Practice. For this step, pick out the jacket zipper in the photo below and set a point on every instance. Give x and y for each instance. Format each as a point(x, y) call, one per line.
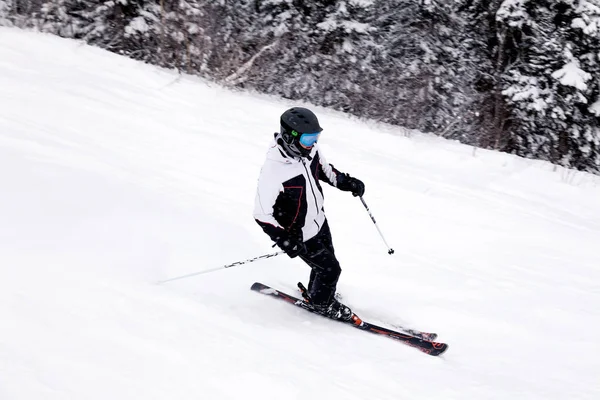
point(313, 192)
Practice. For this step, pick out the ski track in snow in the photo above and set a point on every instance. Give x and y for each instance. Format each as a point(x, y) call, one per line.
point(115, 175)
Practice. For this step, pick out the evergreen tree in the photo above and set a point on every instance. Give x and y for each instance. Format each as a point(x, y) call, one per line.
point(315, 50)
point(427, 64)
point(6, 9)
point(105, 23)
point(486, 51)
point(231, 38)
point(57, 17)
point(517, 75)
point(584, 34)
point(549, 86)
point(192, 35)
point(344, 72)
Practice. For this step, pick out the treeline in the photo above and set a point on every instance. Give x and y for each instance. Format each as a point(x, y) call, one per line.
point(520, 76)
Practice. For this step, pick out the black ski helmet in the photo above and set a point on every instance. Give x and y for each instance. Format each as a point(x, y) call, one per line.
point(295, 122)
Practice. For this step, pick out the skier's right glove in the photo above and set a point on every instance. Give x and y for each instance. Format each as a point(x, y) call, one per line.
point(292, 247)
point(349, 184)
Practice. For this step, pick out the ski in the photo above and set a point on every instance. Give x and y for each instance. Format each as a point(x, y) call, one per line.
point(429, 336)
point(426, 346)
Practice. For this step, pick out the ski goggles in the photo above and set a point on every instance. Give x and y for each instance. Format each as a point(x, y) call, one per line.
point(309, 139)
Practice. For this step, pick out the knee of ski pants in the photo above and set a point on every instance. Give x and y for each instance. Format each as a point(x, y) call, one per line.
point(324, 263)
point(329, 271)
point(336, 271)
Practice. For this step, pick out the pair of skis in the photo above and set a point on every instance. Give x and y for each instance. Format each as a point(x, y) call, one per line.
point(423, 341)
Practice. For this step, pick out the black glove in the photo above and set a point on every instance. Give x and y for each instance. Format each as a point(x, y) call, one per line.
point(349, 184)
point(292, 247)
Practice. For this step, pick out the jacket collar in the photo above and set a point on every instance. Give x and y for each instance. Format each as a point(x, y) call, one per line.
point(276, 153)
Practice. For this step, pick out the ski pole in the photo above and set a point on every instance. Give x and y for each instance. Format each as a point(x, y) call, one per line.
point(390, 250)
point(206, 271)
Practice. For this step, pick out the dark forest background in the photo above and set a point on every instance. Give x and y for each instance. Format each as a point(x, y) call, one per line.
point(519, 76)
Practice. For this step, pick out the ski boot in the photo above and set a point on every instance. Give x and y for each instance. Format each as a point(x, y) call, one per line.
point(334, 310)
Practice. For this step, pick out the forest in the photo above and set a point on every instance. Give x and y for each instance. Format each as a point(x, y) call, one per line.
point(518, 76)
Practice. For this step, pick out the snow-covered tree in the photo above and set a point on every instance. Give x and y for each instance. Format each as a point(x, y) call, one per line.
point(56, 17)
point(18, 12)
point(516, 75)
point(552, 84)
point(192, 35)
point(102, 23)
point(426, 64)
point(584, 34)
point(228, 51)
point(6, 8)
point(316, 50)
point(344, 71)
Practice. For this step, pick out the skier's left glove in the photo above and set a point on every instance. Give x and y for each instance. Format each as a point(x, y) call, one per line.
point(349, 184)
point(292, 247)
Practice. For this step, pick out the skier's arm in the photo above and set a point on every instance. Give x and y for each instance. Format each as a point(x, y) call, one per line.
point(266, 195)
point(327, 172)
point(340, 180)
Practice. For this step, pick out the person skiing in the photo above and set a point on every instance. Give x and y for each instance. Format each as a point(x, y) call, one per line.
point(289, 205)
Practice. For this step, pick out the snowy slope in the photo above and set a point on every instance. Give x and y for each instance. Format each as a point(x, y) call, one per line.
point(115, 175)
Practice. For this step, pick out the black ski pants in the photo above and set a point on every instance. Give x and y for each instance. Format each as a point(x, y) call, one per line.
point(320, 256)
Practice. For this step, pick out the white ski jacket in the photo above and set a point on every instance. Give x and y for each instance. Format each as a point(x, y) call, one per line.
point(292, 184)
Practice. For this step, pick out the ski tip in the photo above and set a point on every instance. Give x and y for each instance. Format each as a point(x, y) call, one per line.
point(264, 289)
point(257, 286)
point(438, 349)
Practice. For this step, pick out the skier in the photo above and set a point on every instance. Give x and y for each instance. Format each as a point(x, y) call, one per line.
point(289, 205)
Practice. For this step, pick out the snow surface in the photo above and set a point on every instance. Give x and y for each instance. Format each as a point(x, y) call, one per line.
point(115, 175)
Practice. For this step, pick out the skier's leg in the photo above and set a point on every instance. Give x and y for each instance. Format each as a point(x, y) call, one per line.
point(311, 279)
point(325, 268)
point(324, 275)
point(312, 245)
point(324, 239)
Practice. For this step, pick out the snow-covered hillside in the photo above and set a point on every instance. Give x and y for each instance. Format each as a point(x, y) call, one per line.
point(115, 175)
